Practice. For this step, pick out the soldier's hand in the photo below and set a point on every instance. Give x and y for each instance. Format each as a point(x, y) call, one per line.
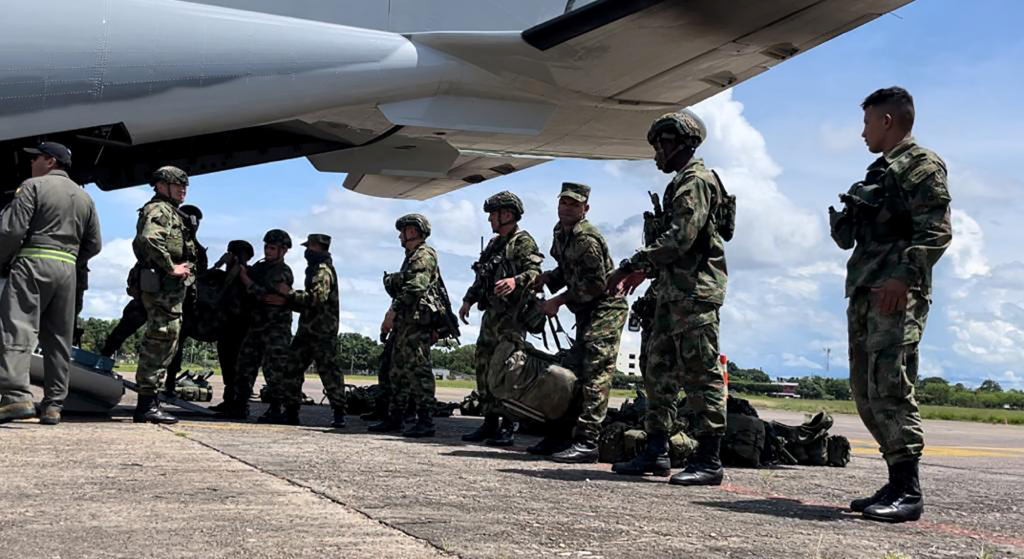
point(505, 287)
point(551, 306)
point(389, 322)
point(243, 274)
point(181, 270)
point(542, 280)
point(891, 296)
point(464, 312)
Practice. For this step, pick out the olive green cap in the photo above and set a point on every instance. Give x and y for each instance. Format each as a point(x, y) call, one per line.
point(318, 238)
point(576, 191)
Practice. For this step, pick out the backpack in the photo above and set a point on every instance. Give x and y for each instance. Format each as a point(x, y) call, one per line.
point(680, 448)
point(725, 211)
point(530, 384)
point(807, 442)
point(838, 450)
point(743, 441)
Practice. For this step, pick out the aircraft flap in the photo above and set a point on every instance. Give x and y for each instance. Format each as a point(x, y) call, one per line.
point(471, 114)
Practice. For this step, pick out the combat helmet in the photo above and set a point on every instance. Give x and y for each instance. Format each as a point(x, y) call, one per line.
point(170, 175)
point(683, 124)
point(278, 237)
point(504, 200)
point(416, 220)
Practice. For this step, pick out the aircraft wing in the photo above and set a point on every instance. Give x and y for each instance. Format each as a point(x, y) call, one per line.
point(469, 168)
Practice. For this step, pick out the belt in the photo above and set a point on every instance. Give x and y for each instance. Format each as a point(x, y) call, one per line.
point(48, 254)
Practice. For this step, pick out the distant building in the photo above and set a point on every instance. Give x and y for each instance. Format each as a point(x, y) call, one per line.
point(442, 374)
point(629, 358)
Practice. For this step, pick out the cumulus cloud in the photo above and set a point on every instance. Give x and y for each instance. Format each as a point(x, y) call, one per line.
point(801, 362)
point(967, 250)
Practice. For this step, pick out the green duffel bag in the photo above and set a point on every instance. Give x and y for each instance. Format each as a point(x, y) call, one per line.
point(680, 448)
point(839, 451)
point(611, 446)
point(743, 442)
point(530, 384)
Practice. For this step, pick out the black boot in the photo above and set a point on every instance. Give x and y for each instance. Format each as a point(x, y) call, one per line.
point(904, 503)
point(424, 426)
point(653, 460)
point(506, 435)
point(858, 505)
point(550, 445)
point(235, 409)
point(486, 430)
point(582, 451)
point(273, 415)
point(339, 420)
point(705, 467)
point(379, 413)
point(291, 414)
point(147, 410)
point(393, 423)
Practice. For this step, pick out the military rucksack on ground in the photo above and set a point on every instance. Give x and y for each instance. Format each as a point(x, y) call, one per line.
point(807, 442)
point(470, 406)
point(743, 442)
point(611, 446)
point(680, 448)
point(839, 451)
point(530, 384)
point(194, 387)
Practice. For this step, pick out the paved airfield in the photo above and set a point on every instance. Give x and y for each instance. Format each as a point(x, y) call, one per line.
point(108, 488)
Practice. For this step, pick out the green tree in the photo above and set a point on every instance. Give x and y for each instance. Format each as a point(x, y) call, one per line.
point(990, 386)
point(358, 353)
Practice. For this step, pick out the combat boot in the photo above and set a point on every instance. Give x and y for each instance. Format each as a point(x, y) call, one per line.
point(236, 410)
point(424, 427)
point(273, 415)
point(506, 435)
point(379, 413)
point(904, 503)
point(653, 460)
point(17, 410)
point(486, 430)
point(583, 451)
point(50, 416)
point(291, 414)
point(858, 505)
point(394, 422)
point(705, 467)
point(147, 410)
point(550, 445)
point(339, 420)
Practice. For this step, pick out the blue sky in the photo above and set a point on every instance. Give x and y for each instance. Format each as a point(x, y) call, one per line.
point(786, 142)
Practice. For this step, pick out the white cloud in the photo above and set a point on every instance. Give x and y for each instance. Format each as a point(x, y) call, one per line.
point(967, 250)
point(840, 138)
point(800, 362)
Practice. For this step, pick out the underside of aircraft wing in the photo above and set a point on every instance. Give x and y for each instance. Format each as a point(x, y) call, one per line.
point(469, 168)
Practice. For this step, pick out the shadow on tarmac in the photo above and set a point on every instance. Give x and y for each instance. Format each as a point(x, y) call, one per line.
point(782, 508)
point(584, 475)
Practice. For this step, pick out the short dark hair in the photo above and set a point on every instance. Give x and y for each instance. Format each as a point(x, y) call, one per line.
point(899, 102)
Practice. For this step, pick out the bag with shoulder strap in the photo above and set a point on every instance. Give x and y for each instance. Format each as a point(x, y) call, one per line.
point(725, 212)
point(529, 383)
point(743, 442)
point(839, 451)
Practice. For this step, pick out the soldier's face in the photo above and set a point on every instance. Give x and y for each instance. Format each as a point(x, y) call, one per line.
point(408, 233)
point(176, 192)
point(494, 218)
point(42, 165)
point(571, 211)
point(273, 253)
point(877, 124)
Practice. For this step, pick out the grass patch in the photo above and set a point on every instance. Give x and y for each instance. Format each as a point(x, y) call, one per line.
point(951, 413)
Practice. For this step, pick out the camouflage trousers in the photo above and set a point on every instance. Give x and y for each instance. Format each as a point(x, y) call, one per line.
point(494, 328)
point(684, 353)
point(305, 350)
point(265, 345)
point(412, 374)
point(883, 372)
point(160, 339)
point(598, 333)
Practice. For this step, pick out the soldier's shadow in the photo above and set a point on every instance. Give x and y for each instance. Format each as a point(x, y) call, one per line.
point(496, 455)
point(782, 508)
point(578, 475)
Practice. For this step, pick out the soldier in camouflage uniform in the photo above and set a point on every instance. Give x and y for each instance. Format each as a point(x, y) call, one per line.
point(416, 306)
point(316, 341)
point(897, 221)
point(48, 231)
point(688, 259)
point(584, 264)
point(505, 274)
point(270, 328)
point(234, 306)
point(166, 255)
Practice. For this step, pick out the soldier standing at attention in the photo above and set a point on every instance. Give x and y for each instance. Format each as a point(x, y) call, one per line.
point(165, 254)
point(415, 306)
point(584, 264)
point(505, 273)
point(270, 329)
point(49, 227)
point(317, 338)
point(897, 221)
point(688, 259)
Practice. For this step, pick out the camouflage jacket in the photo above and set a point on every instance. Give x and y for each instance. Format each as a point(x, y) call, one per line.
point(904, 226)
point(266, 276)
point(319, 303)
point(162, 238)
point(584, 263)
point(512, 256)
point(688, 257)
point(414, 289)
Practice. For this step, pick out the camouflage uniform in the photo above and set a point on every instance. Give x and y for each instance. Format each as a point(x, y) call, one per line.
point(270, 333)
point(50, 224)
point(515, 255)
point(317, 338)
point(901, 237)
point(688, 260)
point(584, 264)
point(162, 240)
point(415, 303)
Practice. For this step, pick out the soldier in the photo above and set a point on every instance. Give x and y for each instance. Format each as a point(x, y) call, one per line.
point(584, 264)
point(416, 306)
point(688, 259)
point(49, 227)
point(317, 338)
point(897, 220)
point(505, 274)
point(270, 328)
point(234, 306)
point(166, 255)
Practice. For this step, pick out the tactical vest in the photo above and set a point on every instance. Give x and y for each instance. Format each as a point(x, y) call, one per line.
point(881, 213)
point(496, 264)
point(322, 318)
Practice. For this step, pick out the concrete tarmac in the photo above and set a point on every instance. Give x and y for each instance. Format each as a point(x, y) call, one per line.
point(202, 488)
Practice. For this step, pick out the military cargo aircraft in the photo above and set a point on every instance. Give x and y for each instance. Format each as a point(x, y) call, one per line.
point(410, 98)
